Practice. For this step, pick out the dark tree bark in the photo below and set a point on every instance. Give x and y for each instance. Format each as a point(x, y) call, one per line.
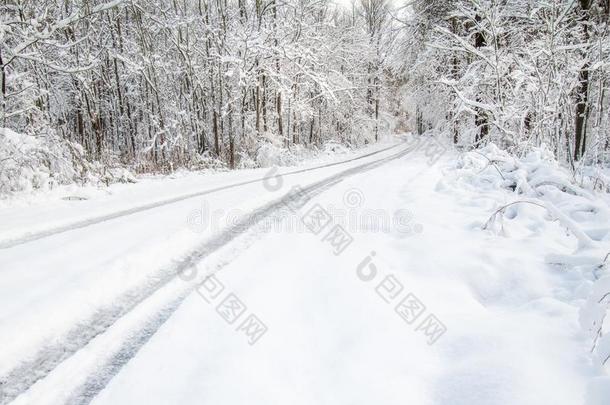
point(216, 140)
point(2, 88)
point(481, 120)
point(582, 91)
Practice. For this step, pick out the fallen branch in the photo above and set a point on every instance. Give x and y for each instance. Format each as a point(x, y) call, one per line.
point(583, 239)
point(490, 162)
point(503, 208)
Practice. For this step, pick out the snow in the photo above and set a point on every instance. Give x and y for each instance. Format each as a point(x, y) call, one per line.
point(58, 290)
point(519, 299)
point(331, 338)
point(61, 206)
point(32, 166)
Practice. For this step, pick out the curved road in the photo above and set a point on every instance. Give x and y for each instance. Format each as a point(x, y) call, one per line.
point(70, 284)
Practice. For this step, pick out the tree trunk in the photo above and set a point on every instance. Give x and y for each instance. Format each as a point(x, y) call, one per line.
point(481, 117)
point(582, 92)
point(3, 91)
point(216, 140)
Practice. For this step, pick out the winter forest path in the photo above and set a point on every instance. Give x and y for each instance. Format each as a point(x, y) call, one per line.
point(71, 300)
point(421, 307)
point(334, 335)
point(43, 233)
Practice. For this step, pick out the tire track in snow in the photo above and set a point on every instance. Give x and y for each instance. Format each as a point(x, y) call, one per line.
point(24, 376)
point(36, 235)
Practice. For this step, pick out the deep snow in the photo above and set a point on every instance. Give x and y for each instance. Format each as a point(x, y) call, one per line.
point(516, 294)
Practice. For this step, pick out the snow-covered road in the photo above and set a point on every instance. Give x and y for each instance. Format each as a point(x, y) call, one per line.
point(412, 303)
point(71, 269)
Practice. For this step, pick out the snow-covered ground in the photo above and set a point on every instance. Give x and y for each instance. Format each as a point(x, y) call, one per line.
point(389, 282)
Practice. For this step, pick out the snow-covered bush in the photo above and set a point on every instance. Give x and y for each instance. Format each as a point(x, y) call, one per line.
point(29, 163)
point(333, 148)
point(539, 189)
point(206, 161)
point(595, 312)
point(269, 154)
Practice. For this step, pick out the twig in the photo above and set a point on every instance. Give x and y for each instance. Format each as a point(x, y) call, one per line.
point(490, 162)
point(501, 209)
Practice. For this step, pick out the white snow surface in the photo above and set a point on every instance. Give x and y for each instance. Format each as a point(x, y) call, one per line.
point(521, 290)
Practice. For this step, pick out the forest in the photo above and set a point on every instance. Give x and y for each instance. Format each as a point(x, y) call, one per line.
point(305, 202)
point(89, 88)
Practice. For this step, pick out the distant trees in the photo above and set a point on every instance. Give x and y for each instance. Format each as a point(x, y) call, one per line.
point(376, 15)
point(156, 84)
point(515, 72)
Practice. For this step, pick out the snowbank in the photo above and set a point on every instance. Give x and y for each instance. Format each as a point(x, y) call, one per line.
point(538, 195)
